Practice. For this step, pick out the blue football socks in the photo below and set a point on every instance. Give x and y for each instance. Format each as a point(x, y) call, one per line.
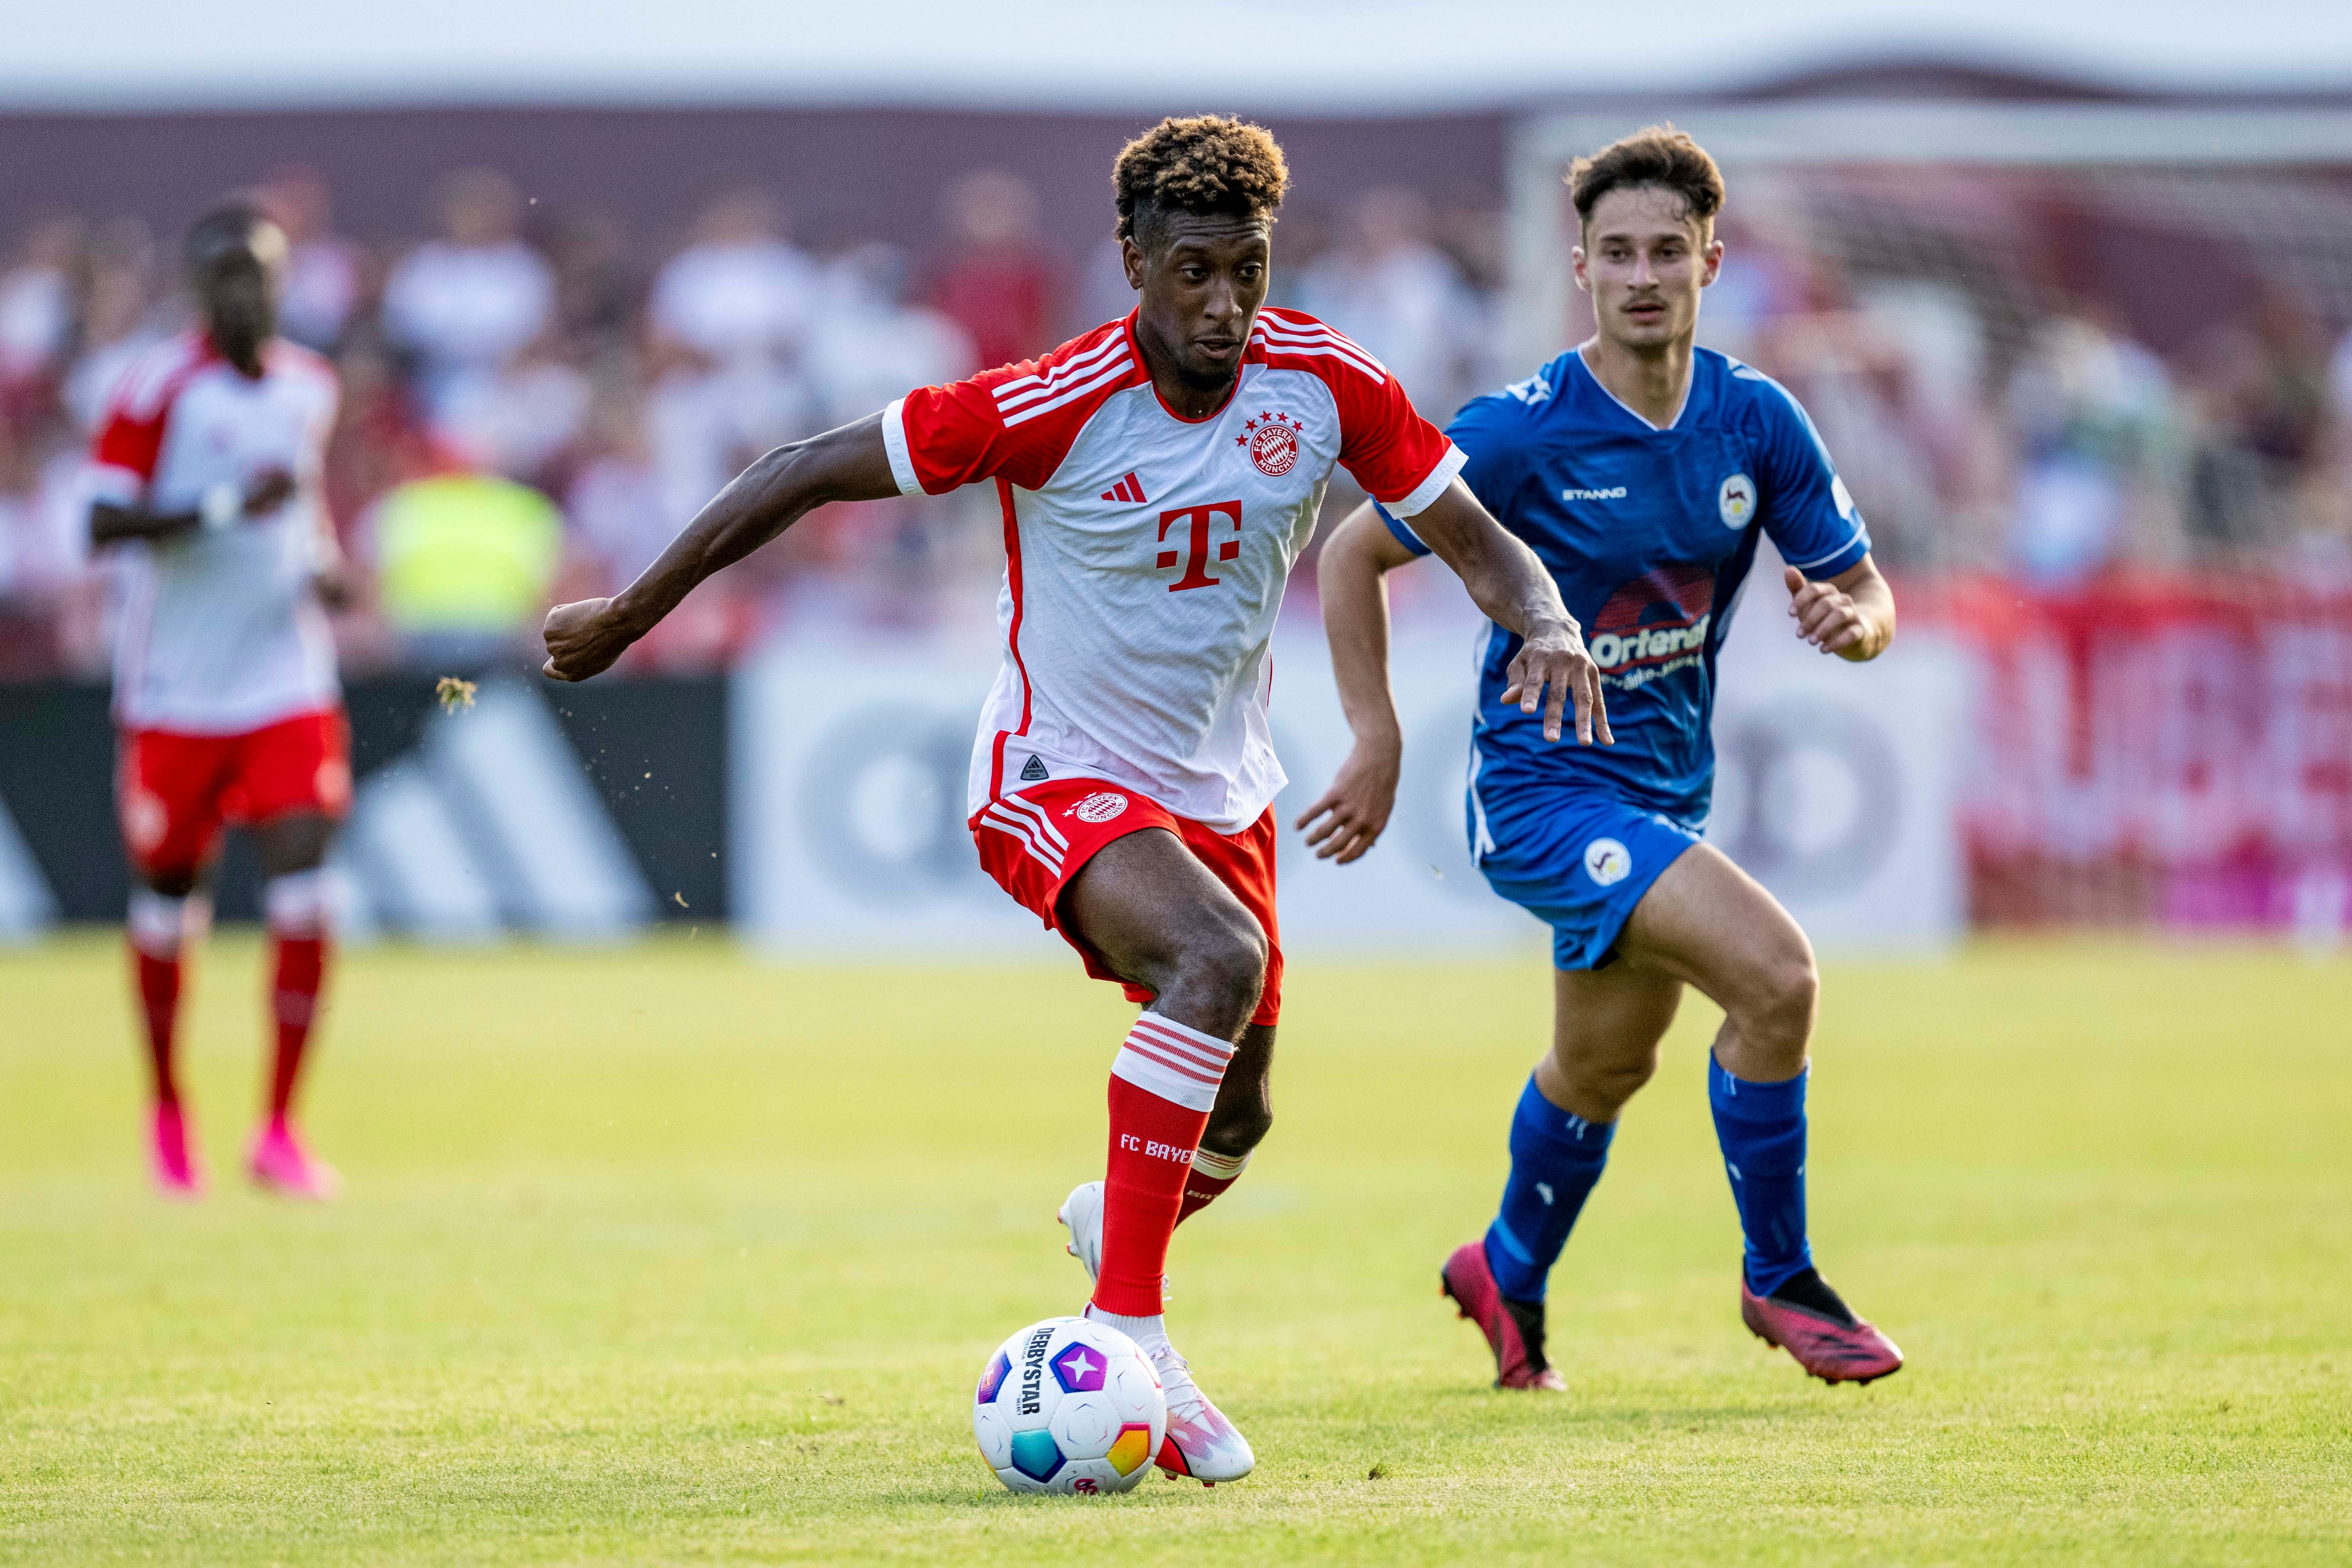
point(1762, 1127)
point(1555, 1156)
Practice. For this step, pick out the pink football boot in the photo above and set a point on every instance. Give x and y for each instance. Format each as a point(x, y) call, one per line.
point(1812, 1323)
point(1519, 1364)
point(280, 1164)
point(178, 1173)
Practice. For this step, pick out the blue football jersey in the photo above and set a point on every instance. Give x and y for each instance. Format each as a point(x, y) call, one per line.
point(1650, 534)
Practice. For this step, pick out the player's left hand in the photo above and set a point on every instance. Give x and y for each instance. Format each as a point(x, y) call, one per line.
point(1825, 614)
point(1355, 807)
point(1552, 669)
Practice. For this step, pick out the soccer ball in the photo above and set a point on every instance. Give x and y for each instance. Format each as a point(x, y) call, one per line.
point(1068, 1405)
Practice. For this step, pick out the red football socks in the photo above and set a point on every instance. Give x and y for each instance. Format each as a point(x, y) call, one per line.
point(1161, 1089)
point(156, 930)
point(1210, 1176)
point(159, 999)
point(294, 1002)
point(296, 904)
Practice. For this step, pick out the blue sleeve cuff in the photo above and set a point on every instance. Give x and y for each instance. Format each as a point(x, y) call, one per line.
point(1845, 558)
point(1404, 535)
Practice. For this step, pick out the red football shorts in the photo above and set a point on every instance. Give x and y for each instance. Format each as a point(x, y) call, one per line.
point(175, 791)
point(1034, 843)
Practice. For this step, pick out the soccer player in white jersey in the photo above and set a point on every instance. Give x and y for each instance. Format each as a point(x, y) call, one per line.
point(207, 478)
point(1159, 477)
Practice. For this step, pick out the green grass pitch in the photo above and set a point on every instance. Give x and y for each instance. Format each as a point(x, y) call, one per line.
point(668, 1254)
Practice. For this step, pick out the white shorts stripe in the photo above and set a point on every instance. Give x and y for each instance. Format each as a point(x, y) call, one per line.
point(1019, 828)
point(1036, 814)
point(1051, 863)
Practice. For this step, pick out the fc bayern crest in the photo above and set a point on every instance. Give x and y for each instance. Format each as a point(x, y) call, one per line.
point(1099, 807)
point(1273, 442)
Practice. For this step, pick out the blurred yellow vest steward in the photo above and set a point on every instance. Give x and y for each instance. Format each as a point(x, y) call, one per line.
point(465, 553)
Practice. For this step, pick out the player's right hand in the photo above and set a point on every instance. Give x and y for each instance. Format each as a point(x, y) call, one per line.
point(1357, 805)
point(583, 638)
point(1553, 668)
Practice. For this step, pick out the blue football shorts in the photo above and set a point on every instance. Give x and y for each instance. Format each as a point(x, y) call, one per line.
point(1577, 860)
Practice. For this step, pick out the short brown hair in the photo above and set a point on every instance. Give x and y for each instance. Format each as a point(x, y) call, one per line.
point(1205, 163)
point(1656, 155)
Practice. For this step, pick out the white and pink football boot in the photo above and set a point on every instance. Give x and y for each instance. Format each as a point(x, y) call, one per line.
point(279, 1163)
point(1202, 1444)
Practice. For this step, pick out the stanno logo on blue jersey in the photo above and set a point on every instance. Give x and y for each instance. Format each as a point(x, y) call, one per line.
point(1614, 492)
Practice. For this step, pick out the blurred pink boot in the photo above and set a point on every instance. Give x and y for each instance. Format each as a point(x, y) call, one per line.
point(280, 1164)
point(178, 1174)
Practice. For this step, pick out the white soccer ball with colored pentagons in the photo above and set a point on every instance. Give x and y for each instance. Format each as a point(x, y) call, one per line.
point(1069, 1405)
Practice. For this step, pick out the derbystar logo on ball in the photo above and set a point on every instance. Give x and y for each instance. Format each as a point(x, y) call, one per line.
point(1071, 1406)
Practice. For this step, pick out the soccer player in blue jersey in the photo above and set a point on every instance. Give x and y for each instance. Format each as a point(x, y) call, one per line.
point(1644, 471)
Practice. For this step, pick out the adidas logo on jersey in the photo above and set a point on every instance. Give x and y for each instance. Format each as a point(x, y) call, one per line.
point(1129, 489)
point(1033, 770)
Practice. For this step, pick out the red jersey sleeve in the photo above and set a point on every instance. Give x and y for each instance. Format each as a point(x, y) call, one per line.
point(130, 439)
point(1014, 423)
point(1400, 459)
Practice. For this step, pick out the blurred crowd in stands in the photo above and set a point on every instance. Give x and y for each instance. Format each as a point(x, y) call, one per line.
point(534, 401)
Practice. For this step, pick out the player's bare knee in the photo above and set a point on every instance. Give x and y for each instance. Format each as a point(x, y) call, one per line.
point(1223, 971)
point(1233, 1134)
point(1612, 1084)
point(1597, 1089)
point(1778, 1018)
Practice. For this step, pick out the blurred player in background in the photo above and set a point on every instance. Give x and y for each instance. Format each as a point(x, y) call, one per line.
point(1643, 472)
point(208, 466)
point(1159, 477)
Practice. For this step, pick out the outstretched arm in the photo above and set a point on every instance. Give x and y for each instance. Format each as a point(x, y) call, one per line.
point(764, 499)
point(110, 523)
point(1508, 582)
point(1850, 615)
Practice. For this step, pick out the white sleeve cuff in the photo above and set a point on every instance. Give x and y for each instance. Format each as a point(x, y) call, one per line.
point(894, 441)
point(1430, 489)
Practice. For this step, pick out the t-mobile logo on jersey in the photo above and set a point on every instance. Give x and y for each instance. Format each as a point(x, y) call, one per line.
point(1195, 556)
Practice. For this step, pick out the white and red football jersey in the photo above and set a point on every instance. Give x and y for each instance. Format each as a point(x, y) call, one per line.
point(1146, 554)
point(221, 632)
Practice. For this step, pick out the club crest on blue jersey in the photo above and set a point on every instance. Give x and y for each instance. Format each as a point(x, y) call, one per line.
point(1737, 500)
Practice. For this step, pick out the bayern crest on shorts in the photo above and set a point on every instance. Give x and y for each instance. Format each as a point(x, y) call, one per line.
point(1099, 807)
point(1273, 442)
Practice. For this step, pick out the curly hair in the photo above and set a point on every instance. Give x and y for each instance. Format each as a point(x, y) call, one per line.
point(1656, 155)
point(1205, 164)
